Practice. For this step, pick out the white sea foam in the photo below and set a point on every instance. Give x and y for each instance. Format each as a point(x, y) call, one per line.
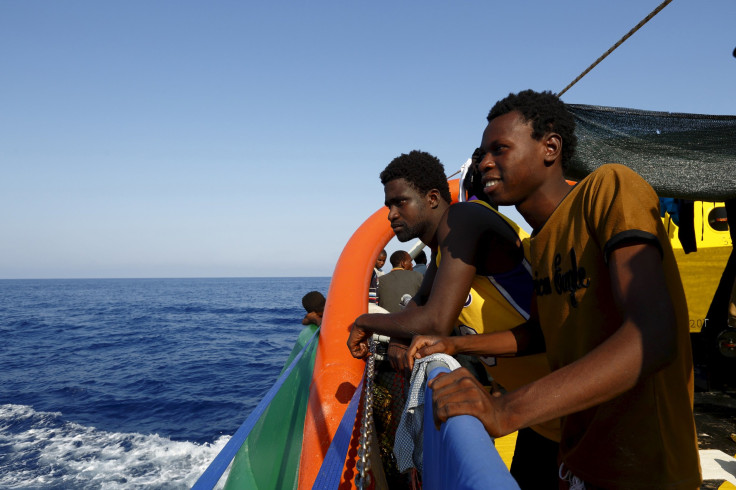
point(43, 450)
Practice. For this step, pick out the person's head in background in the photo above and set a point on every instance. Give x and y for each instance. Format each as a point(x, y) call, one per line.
point(314, 304)
point(381, 260)
point(401, 260)
point(421, 262)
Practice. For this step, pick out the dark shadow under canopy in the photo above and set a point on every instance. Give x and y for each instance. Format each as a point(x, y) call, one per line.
point(691, 156)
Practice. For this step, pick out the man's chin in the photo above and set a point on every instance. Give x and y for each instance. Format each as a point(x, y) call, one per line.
point(403, 236)
point(498, 199)
point(496, 202)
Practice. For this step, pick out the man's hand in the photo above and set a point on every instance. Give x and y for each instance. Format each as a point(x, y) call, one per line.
point(459, 393)
point(358, 341)
point(397, 356)
point(424, 345)
point(312, 318)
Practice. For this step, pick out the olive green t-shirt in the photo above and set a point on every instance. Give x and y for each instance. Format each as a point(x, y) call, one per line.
point(645, 437)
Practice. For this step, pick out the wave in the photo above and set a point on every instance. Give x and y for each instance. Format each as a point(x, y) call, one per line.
point(43, 450)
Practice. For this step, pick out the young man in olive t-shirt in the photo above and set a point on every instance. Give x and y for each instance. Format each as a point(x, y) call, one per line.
point(611, 312)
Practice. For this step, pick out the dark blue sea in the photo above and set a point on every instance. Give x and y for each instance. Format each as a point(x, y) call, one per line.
point(135, 383)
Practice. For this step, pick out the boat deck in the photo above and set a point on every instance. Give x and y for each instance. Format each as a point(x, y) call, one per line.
point(715, 420)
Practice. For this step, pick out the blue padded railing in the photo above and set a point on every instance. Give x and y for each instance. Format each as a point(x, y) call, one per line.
point(460, 455)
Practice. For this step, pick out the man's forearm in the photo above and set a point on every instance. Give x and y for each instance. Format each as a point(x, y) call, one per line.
point(523, 339)
point(403, 325)
point(498, 344)
point(604, 373)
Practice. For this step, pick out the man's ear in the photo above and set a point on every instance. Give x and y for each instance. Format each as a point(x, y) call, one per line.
point(433, 198)
point(552, 148)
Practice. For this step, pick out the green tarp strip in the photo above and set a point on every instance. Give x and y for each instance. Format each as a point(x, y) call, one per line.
point(269, 458)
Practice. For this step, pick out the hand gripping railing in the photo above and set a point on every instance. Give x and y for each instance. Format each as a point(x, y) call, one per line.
point(460, 455)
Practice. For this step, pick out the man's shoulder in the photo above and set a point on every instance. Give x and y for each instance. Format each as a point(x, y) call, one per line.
point(386, 280)
point(613, 182)
point(474, 207)
point(473, 218)
point(612, 200)
point(406, 272)
point(403, 272)
point(387, 275)
point(400, 276)
point(613, 172)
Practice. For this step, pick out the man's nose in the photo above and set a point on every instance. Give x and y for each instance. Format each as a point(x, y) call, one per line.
point(486, 163)
point(392, 213)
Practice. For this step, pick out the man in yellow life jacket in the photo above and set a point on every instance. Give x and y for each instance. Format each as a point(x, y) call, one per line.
point(478, 274)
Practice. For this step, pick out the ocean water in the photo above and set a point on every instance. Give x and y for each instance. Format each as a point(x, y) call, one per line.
point(135, 383)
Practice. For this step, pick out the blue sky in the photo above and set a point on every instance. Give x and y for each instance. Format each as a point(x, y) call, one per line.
point(231, 138)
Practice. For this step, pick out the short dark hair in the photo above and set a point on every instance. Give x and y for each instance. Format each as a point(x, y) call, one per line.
point(421, 257)
point(314, 301)
point(398, 257)
point(546, 112)
point(421, 170)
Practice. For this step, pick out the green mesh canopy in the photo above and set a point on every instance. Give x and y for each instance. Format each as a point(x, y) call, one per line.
point(690, 156)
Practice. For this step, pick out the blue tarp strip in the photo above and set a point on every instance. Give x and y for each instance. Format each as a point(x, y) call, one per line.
point(214, 471)
point(332, 467)
point(460, 455)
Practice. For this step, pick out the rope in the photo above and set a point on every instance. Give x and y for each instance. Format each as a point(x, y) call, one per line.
point(619, 43)
point(214, 471)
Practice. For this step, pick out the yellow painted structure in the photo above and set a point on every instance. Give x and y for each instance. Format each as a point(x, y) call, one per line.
point(701, 271)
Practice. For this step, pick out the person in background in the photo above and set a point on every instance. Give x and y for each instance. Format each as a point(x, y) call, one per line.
point(373, 287)
point(610, 309)
point(421, 262)
point(314, 304)
point(477, 280)
point(401, 282)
